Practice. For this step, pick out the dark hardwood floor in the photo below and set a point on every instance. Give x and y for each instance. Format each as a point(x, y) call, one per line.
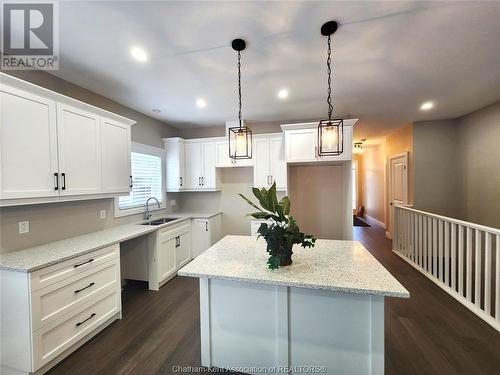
point(430, 333)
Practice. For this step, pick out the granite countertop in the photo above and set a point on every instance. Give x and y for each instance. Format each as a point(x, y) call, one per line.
point(34, 258)
point(342, 266)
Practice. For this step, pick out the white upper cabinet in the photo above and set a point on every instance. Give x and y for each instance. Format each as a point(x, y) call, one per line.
point(201, 173)
point(115, 157)
point(56, 148)
point(78, 134)
point(224, 161)
point(301, 143)
point(269, 163)
point(194, 165)
point(28, 153)
point(174, 164)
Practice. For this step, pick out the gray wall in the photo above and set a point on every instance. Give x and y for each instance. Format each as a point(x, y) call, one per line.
point(479, 174)
point(457, 166)
point(436, 163)
point(54, 221)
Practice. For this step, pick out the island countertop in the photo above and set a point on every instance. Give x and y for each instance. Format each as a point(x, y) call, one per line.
point(342, 266)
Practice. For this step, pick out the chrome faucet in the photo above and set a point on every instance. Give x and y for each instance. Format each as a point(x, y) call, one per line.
point(147, 214)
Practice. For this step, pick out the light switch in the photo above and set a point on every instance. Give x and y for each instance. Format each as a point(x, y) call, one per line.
point(24, 227)
point(102, 214)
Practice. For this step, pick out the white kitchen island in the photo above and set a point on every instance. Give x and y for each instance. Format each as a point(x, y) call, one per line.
point(324, 313)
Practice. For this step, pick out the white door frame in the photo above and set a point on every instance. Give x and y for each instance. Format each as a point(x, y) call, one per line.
point(405, 191)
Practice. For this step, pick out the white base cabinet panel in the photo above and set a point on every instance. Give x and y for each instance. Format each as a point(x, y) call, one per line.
point(205, 233)
point(272, 326)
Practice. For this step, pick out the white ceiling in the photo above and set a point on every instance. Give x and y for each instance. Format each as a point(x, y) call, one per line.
point(389, 57)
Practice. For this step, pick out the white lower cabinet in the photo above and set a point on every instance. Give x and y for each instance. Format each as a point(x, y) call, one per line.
point(169, 251)
point(205, 233)
point(44, 314)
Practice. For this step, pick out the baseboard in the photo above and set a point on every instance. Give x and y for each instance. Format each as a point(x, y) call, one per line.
point(375, 221)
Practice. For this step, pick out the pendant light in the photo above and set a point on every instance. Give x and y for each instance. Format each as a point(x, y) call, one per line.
point(330, 131)
point(240, 137)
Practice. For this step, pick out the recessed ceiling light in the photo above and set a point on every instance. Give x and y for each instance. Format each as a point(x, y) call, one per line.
point(427, 106)
point(201, 103)
point(283, 94)
point(156, 110)
point(139, 54)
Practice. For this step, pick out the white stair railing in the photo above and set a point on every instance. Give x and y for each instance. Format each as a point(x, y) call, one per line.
point(461, 257)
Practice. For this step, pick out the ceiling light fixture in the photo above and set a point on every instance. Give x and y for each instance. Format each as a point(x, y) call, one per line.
point(426, 106)
point(156, 110)
point(201, 103)
point(240, 137)
point(139, 54)
point(330, 131)
point(283, 94)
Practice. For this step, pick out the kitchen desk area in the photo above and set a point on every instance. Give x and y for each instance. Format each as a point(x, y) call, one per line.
point(56, 296)
point(326, 309)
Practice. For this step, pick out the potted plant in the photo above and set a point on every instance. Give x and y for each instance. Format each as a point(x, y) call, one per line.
point(281, 232)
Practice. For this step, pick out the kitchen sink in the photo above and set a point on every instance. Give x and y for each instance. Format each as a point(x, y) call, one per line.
point(161, 221)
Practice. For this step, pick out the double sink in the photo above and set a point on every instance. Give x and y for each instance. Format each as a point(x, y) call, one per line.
point(161, 221)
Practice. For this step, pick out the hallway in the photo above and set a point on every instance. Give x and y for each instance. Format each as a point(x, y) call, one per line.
point(160, 330)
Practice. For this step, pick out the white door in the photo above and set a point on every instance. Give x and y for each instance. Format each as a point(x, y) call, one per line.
point(277, 162)
point(194, 164)
point(209, 176)
point(222, 154)
point(301, 145)
point(261, 170)
point(215, 229)
point(398, 182)
point(166, 257)
point(183, 249)
point(200, 236)
point(115, 151)
point(28, 145)
point(79, 146)
point(174, 164)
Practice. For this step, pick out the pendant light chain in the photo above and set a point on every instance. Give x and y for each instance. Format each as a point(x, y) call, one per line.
point(239, 86)
point(329, 67)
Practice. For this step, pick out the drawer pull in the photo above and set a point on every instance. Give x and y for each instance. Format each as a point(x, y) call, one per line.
point(83, 321)
point(81, 264)
point(88, 286)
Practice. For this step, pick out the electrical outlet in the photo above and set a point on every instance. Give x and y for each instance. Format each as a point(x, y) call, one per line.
point(102, 214)
point(24, 227)
point(172, 202)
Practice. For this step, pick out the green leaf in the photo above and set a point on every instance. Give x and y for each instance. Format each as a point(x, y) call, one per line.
point(261, 215)
point(271, 197)
point(261, 195)
point(285, 203)
point(250, 202)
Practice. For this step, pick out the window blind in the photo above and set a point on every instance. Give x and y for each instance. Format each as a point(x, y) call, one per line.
point(146, 181)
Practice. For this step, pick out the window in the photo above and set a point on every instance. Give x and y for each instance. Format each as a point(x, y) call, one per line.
point(147, 180)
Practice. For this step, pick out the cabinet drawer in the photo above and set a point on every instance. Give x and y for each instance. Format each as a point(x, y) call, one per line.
point(74, 266)
point(53, 339)
point(56, 300)
point(177, 230)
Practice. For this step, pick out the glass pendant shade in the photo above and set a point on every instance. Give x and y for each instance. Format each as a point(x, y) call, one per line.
point(330, 137)
point(240, 143)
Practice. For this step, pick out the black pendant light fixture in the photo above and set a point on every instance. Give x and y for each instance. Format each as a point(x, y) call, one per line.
point(240, 137)
point(330, 131)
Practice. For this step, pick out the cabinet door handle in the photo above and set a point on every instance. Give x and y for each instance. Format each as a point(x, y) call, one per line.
point(56, 181)
point(63, 176)
point(180, 180)
point(131, 182)
point(203, 181)
point(88, 286)
point(83, 321)
point(206, 226)
point(199, 181)
point(81, 264)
